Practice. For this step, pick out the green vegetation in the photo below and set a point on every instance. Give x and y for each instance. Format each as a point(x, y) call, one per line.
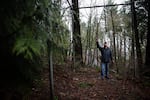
point(24, 30)
point(85, 85)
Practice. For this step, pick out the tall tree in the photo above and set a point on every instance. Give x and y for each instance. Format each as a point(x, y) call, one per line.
point(136, 34)
point(114, 39)
point(76, 32)
point(147, 58)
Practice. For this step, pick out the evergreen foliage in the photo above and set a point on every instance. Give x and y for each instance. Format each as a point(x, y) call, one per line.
point(25, 26)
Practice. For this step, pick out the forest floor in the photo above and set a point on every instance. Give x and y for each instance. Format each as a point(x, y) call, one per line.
point(85, 84)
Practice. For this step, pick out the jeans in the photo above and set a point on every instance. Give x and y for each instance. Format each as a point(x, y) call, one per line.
point(104, 69)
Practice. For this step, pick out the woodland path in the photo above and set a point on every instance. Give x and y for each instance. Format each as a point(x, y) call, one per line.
point(84, 84)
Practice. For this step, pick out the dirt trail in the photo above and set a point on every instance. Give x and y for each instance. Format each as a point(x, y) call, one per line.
point(84, 84)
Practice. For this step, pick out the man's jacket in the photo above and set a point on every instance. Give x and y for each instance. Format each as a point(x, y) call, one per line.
point(106, 54)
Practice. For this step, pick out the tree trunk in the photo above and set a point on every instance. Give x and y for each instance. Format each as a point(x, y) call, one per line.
point(133, 55)
point(50, 63)
point(124, 48)
point(96, 36)
point(88, 38)
point(136, 34)
point(120, 51)
point(76, 33)
point(114, 40)
point(147, 59)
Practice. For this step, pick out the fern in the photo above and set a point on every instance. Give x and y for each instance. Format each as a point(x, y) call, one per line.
point(28, 47)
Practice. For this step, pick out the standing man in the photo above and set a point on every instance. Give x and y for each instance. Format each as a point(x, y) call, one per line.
point(106, 57)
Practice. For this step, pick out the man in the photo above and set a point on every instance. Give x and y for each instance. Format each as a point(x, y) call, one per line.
point(106, 57)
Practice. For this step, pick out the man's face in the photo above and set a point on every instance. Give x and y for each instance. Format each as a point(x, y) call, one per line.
point(105, 44)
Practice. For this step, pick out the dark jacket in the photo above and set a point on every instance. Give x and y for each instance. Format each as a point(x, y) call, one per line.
point(106, 54)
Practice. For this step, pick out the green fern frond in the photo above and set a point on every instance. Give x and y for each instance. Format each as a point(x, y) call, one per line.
point(35, 46)
point(22, 50)
point(28, 47)
point(29, 55)
point(19, 44)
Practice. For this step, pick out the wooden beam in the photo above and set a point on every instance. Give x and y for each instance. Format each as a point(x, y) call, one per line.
point(127, 4)
point(105, 6)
